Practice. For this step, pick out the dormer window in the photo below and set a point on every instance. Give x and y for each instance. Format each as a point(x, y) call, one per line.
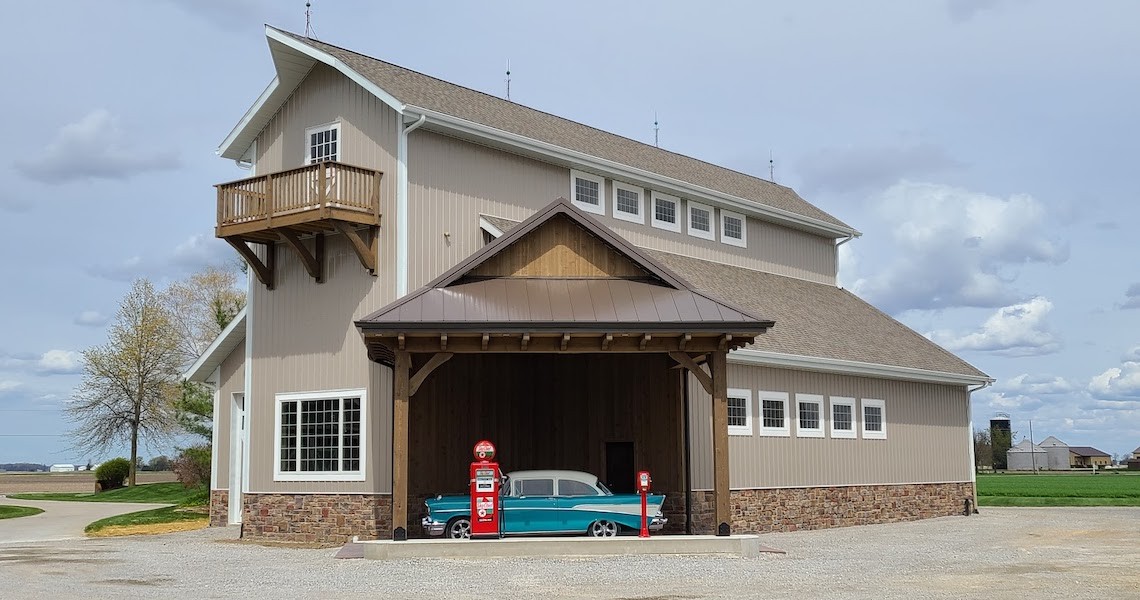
point(586, 192)
point(732, 229)
point(701, 220)
point(323, 143)
point(628, 203)
point(665, 209)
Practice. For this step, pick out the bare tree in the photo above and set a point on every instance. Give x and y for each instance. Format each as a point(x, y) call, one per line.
point(201, 306)
point(131, 382)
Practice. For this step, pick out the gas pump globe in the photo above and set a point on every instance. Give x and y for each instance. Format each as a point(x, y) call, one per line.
point(486, 509)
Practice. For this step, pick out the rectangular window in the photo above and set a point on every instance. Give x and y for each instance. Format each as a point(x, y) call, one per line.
point(874, 419)
point(739, 412)
point(627, 203)
point(665, 212)
point(700, 220)
point(842, 417)
point(732, 230)
point(586, 189)
point(774, 414)
point(809, 415)
point(320, 436)
point(323, 143)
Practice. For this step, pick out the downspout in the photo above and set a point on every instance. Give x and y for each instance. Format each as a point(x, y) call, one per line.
point(402, 205)
point(970, 420)
point(687, 458)
point(849, 238)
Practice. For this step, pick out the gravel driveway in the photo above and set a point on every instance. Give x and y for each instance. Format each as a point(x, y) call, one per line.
point(1002, 553)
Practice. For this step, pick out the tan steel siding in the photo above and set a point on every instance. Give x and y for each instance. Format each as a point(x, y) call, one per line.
point(927, 434)
point(231, 380)
point(452, 181)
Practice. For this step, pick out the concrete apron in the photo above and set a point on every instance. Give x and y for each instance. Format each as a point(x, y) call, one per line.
point(742, 546)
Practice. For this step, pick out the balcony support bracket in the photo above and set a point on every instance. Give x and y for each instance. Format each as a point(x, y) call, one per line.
point(263, 270)
point(314, 261)
point(366, 250)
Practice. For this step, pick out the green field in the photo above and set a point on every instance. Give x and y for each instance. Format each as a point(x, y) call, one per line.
point(11, 512)
point(156, 493)
point(1057, 489)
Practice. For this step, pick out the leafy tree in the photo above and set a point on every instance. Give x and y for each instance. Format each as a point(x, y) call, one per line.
point(1001, 441)
point(159, 463)
point(195, 410)
point(983, 449)
point(130, 383)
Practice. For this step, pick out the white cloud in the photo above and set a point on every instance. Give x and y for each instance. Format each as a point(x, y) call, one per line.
point(855, 169)
point(95, 147)
point(126, 270)
point(1018, 330)
point(963, 10)
point(1039, 384)
point(189, 256)
point(1120, 383)
point(58, 362)
point(91, 318)
point(7, 385)
point(954, 248)
point(199, 251)
point(1132, 296)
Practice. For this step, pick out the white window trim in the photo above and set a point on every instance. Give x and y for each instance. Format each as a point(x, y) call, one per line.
point(674, 227)
point(784, 431)
point(704, 235)
point(811, 432)
point(747, 395)
point(731, 241)
point(874, 435)
point(639, 218)
point(848, 434)
point(600, 209)
point(279, 475)
point(339, 140)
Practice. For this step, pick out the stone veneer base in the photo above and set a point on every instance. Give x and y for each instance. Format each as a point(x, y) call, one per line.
point(219, 508)
point(327, 519)
point(793, 509)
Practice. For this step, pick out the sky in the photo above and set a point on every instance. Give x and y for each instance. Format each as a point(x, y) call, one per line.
point(984, 148)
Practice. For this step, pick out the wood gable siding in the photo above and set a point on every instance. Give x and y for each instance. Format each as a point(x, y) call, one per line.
point(927, 434)
point(560, 248)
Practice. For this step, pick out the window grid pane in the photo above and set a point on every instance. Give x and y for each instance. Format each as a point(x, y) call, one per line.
point(323, 145)
point(774, 413)
point(666, 211)
point(809, 415)
point(732, 228)
point(288, 436)
point(841, 414)
point(320, 435)
point(872, 418)
point(586, 191)
point(350, 446)
point(737, 412)
point(699, 219)
point(628, 202)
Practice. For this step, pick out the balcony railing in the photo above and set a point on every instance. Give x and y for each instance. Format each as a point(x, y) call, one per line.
point(324, 191)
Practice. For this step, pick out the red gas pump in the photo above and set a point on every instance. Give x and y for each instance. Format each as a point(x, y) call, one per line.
point(484, 492)
point(643, 482)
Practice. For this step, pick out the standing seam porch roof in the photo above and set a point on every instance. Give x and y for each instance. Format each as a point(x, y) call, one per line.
point(417, 90)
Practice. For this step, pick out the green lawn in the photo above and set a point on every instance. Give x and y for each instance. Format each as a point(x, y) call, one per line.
point(170, 514)
point(1057, 489)
point(11, 512)
point(157, 493)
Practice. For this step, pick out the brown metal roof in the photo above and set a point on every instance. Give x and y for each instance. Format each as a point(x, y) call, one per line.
point(1087, 451)
point(666, 302)
point(423, 91)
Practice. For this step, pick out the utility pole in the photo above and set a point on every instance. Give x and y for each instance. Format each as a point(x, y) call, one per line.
point(1032, 452)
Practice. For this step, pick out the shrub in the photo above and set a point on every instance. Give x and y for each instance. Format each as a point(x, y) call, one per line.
point(113, 473)
point(193, 466)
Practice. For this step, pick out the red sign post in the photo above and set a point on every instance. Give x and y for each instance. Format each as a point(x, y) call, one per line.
point(485, 508)
point(643, 483)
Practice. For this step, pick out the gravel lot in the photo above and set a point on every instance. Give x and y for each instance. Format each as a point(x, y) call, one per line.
point(1002, 553)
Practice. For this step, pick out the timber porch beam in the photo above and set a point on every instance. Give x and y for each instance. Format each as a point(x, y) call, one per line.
point(400, 396)
point(687, 362)
point(365, 251)
point(313, 261)
point(529, 342)
point(719, 367)
point(263, 270)
point(432, 364)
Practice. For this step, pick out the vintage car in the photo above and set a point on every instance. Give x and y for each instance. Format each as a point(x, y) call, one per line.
point(549, 502)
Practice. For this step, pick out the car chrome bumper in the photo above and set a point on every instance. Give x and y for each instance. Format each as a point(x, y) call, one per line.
point(433, 527)
point(657, 523)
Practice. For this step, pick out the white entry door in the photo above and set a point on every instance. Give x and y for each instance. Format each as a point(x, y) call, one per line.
point(237, 455)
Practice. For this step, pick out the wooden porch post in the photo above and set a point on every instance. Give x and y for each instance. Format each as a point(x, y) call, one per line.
point(718, 363)
point(400, 446)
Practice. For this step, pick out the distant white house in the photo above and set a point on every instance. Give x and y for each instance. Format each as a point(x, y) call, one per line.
point(62, 468)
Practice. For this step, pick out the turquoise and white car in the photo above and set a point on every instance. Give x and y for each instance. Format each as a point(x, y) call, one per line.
point(549, 502)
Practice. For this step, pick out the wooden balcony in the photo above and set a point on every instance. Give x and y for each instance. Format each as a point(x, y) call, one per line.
point(296, 205)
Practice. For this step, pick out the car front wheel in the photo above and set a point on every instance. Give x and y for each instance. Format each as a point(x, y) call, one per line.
point(603, 529)
point(459, 528)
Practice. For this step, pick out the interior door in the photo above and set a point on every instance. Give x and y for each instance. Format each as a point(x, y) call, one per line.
point(619, 467)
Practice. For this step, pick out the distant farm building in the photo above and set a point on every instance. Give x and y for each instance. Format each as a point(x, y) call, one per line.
point(1054, 455)
point(62, 468)
point(1026, 457)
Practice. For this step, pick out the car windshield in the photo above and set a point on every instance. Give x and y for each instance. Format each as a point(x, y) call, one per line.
point(605, 490)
